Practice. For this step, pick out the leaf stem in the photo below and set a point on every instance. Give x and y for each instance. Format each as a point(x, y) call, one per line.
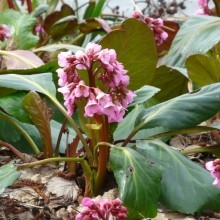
point(200, 150)
point(48, 160)
point(23, 132)
point(130, 136)
point(22, 59)
point(74, 126)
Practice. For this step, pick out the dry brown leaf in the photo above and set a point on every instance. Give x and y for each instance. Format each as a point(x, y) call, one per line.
point(63, 188)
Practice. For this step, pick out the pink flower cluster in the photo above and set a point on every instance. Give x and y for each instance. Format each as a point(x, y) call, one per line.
point(104, 65)
point(155, 25)
point(214, 168)
point(102, 210)
point(4, 32)
point(204, 8)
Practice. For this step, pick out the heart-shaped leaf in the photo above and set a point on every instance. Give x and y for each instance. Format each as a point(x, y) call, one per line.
point(8, 175)
point(186, 186)
point(188, 40)
point(138, 182)
point(136, 49)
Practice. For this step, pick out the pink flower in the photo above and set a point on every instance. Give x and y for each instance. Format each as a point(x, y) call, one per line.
point(102, 210)
point(202, 3)
point(155, 25)
point(62, 77)
point(92, 107)
point(204, 8)
point(81, 90)
point(107, 69)
point(214, 168)
point(62, 58)
point(4, 32)
point(92, 50)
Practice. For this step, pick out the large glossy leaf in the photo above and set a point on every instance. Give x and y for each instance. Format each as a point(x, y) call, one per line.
point(171, 82)
point(8, 175)
point(40, 115)
point(23, 25)
point(197, 35)
point(203, 70)
point(186, 186)
point(182, 112)
point(12, 105)
point(135, 47)
point(39, 82)
point(138, 182)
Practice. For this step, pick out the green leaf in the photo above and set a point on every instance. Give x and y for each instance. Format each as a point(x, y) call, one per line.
point(8, 175)
point(203, 70)
point(171, 82)
point(186, 186)
point(60, 23)
point(125, 127)
point(40, 9)
point(182, 112)
point(143, 94)
point(12, 105)
point(51, 66)
point(138, 181)
point(40, 115)
point(22, 26)
point(136, 49)
point(39, 82)
point(188, 40)
point(63, 26)
point(98, 8)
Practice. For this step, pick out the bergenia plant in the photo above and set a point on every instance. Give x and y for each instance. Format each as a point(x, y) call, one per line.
point(110, 107)
point(102, 101)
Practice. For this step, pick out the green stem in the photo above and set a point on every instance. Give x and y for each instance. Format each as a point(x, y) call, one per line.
point(48, 160)
point(14, 55)
point(200, 150)
point(78, 37)
point(95, 152)
point(76, 11)
point(23, 132)
point(75, 127)
point(130, 136)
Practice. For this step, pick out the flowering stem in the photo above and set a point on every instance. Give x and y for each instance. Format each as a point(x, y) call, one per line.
point(103, 154)
point(23, 132)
